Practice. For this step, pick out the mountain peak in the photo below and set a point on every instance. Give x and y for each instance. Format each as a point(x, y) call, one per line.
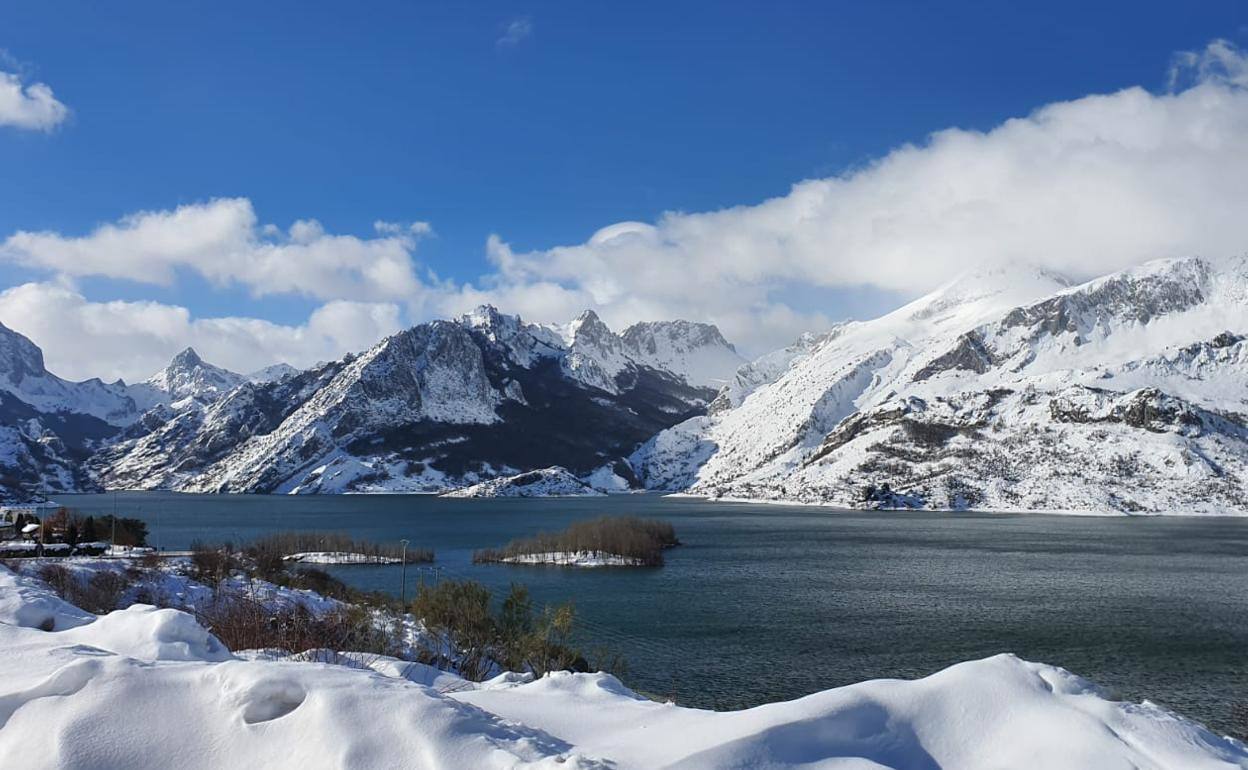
point(589, 326)
point(187, 359)
point(19, 357)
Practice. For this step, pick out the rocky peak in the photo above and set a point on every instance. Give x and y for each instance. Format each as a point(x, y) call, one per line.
point(647, 337)
point(187, 359)
point(488, 319)
point(589, 328)
point(186, 377)
point(19, 357)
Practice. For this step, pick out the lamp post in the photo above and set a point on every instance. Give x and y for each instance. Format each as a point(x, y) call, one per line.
point(403, 588)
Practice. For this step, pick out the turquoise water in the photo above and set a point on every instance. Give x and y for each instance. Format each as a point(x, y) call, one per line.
point(767, 602)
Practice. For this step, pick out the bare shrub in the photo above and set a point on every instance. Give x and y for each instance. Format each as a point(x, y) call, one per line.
point(97, 594)
point(211, 564)
point(289, 543)
point(242, 623)
point(320, 581)
point(59, 579)
point(640, 540)
point(102, 592)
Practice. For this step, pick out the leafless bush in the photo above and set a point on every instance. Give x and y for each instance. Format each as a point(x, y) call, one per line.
point(100, 593)
point(242, 623)
point(212, 564)
point(59, 579)
point(288, 543)
point(642, 540)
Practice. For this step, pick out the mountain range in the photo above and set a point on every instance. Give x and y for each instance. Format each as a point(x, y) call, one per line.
point(1005, 389)
point(441, 405)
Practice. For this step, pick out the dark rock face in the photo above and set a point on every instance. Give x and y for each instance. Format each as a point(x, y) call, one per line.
point(1147, 409)
point(1125, 297)
point(969, 354)
point(19, 357)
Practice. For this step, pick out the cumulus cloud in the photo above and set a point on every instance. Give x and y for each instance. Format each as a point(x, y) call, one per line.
point(223, 241)
point(32, 107)
point(516, 31)
point(133, 340)
point(1084, 187)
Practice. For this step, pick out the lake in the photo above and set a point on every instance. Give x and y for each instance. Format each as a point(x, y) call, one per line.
point(768, 602)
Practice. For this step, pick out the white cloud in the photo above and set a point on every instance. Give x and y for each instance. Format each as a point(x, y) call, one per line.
point(516, 31)
point(1220, 61)
point(31, 107)
point(1084, 187)
point(223, 241)
point(132, 340)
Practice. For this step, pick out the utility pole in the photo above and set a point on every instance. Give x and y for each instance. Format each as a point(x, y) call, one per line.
point(403, 589)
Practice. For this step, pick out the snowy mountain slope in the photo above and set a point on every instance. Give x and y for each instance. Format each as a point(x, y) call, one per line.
point(49, 426)
point(544, 482)
point(44, 453)
point(595, 355)
point(272, 372)
point(187, 382)
point(695, 351)
point(440, 405)
point(22, 373)
point(1002, 390)
point(164, 448)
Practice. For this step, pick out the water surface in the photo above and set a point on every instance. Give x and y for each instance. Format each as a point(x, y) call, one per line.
point(767, 602)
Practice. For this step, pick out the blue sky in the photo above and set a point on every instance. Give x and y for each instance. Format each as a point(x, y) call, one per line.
point(536, 122)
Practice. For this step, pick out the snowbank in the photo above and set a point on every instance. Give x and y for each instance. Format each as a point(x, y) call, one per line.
point(147, 688)
point(575, 559)
point(29, 603)
point(339, 557)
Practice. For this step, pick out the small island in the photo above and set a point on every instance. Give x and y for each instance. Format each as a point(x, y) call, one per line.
point(609, 541)
point(338, 548)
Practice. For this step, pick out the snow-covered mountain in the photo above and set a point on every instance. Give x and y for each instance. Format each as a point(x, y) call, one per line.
point(440, 405)
point(48, 425)
point(543, 482)
point(272, 372)
point(1005, 389)
point(22, 374)
point(695, 351)
point(188, 382)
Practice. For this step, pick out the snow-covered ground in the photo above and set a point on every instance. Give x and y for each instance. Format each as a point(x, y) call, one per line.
point(150, 688)
point(545, 482)
point(575, 559)
point(339, 557)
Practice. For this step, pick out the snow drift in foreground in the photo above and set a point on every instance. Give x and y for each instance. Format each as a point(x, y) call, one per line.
point(148, 688)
